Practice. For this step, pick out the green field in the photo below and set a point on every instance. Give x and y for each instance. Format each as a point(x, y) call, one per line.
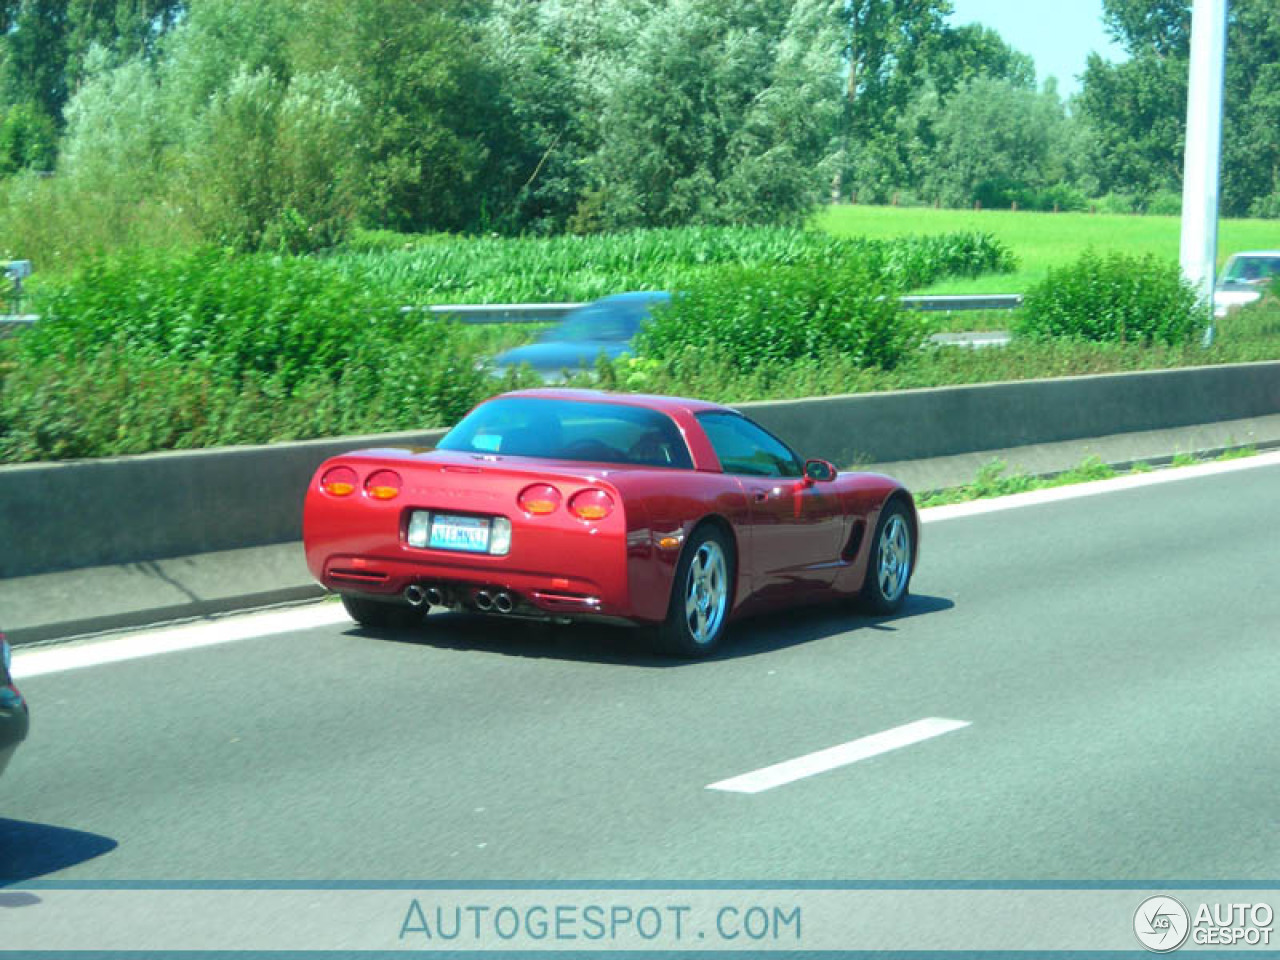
point(1040, 240)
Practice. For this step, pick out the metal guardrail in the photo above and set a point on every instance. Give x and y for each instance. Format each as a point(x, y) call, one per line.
point(501, 312)
point(479, 313)
point(549, 312)
point(977, 301)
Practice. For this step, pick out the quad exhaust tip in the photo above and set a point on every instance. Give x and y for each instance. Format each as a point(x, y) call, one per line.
point(419, 595)
point(503, 603)
point(483, 600)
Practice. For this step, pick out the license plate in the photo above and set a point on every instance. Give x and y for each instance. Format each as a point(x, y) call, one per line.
point(469, 534)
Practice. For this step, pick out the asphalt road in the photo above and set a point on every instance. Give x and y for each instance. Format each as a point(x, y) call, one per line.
point(1115, 656)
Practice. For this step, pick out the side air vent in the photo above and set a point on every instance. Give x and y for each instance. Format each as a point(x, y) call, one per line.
point(855, 540)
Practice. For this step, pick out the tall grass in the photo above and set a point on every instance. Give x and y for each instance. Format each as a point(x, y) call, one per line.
point(572, 268)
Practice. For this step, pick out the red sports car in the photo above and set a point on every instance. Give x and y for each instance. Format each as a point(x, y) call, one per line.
point(670, 514)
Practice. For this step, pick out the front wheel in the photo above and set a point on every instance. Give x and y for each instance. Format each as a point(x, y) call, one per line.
point(889, 567)
point(379, 614)
point(700, 596)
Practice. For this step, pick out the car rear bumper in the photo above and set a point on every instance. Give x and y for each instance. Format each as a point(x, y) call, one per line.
point(532, 592)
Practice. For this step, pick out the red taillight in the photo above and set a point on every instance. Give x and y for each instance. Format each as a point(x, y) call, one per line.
point(591, 505)
point(541, 498)
point(383, 485)
point(339, 482)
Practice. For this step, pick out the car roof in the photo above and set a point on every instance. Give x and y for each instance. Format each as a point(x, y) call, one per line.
point(1255, 253)
point(663, 404)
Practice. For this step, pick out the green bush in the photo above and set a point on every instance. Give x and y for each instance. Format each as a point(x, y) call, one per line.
point(144, 352)
point(1267, 207)
point(1118, 203)
point(251, 313)
point(752, 317)
point(1060, 196)
point(28, 139)
point(1114, 299)
point(156, 350)
point(1163, 203)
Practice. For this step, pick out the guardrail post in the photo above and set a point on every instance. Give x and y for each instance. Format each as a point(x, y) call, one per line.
point(17, 271)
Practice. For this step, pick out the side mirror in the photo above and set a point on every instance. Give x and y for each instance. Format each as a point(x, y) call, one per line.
point(820, 471)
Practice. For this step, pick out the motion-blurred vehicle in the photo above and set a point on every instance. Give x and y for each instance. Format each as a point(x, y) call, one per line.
point(664, 513)
point(14, 718)
point(1244, 279)
point(607, 326)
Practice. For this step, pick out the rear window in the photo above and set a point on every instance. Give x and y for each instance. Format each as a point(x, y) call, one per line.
point(570, 430)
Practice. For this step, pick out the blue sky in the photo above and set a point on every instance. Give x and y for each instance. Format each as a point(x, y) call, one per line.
point(1058, 34)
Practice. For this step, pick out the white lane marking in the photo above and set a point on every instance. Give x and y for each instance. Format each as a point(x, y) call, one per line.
point(766, 778)
point(1032, 498)
point(37, 661)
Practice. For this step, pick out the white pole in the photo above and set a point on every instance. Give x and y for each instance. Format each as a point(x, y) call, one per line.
point(1200, 173)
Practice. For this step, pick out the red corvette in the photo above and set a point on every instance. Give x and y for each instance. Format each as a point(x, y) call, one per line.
point(674, 515)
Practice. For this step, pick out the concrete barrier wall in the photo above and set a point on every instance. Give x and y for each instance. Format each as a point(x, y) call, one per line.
point(88, 513)
point(913, 424)
point(62, 516)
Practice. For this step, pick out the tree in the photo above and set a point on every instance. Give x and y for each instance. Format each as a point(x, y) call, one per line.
point(270, 166)
point(536, 49)
point(436, 120)
point(904, 62)
point(886, 46)
point(1137, 109)
point(998, 142)
point(34, 55)
point(44, 44)
point(27, 140)
point(1137, 112)
point(723, 113)
point(967, 52)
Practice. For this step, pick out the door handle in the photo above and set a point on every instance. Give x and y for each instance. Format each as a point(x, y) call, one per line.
point(760, 496)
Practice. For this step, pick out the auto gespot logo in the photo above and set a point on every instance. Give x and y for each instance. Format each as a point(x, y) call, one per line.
point(1162, 924)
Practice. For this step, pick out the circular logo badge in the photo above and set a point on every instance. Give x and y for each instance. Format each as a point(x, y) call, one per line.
point(1161, 924)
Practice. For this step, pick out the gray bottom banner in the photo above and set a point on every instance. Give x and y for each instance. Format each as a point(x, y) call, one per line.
point(679, 921)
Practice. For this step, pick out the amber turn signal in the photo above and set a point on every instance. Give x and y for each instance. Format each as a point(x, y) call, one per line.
point(383, 484)
point(539, 499)
point(339, 482)
point(591, 505)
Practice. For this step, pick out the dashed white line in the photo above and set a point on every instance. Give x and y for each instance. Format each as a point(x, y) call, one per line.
point(1032, 498)
point(766, 778)
point(37, 661)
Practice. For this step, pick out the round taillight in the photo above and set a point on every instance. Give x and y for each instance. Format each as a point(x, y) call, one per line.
point(383, 485)
point(539, 499)
point(591, 505)
point(339, 482)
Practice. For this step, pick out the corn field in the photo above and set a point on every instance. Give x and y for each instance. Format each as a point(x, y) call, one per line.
point(578, 268)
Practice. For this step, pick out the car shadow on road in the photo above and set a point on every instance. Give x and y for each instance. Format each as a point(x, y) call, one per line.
point(597, 643)
point(30, 850)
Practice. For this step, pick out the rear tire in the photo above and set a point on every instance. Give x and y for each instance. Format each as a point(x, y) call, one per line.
point(700, 596)
point(381, 615)
point(891, 563)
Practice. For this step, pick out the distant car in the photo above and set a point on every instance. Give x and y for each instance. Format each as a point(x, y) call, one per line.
point(1244, 279)
point(659, 512)
point(603, 326)
point(13, 710)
